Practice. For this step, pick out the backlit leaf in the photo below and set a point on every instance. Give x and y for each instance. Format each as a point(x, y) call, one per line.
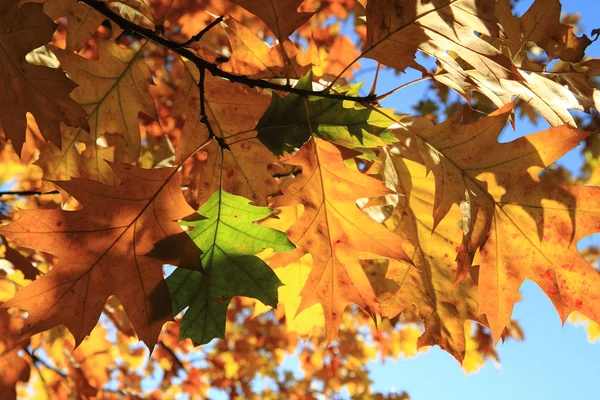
point(41, 91)
point(229, 241)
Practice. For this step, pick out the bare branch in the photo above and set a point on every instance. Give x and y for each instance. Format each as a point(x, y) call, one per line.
point(27, 193)
point(199, 35)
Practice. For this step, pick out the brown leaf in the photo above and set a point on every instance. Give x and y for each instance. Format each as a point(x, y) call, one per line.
point(281, 16)
point(102, 251)
point(113, 90)
point(233, 110)
point(41, 91)
point(78, 157)
point(254, 58)
point(540, 25)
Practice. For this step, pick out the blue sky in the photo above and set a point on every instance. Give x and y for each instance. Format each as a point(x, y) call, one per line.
point(554, 362)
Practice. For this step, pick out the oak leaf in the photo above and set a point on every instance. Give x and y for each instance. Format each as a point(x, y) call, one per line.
point(13, 368)
point(102, 251)
point(41, 91)
point(442, 307)
point(113, 90)
point(229, 242)
point(396, 29)
point(281, 16)
point(252, 57)
point(289, 122)
point(541, 24)
point(334, 231)
point(233, 110)
point(82, 21)
point(446, 30)
point(293, 277)
point(506, 206)
point(78, 157)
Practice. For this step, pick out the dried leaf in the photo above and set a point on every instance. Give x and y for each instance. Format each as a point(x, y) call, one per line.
point(41, 91)
point(102, 251)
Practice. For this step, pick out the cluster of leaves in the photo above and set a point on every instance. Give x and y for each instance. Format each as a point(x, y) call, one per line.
point(129, 115)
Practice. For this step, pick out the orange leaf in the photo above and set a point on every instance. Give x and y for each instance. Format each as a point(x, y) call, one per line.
point(233, 110)
point(102, 251)
point(335, 232)
point(281, 16)
point(13, 369)
point(441, 306)
point(42, 91)
point(524, 228)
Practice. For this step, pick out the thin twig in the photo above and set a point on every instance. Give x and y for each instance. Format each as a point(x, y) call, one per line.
point(214, 69)
point(28, 193)
point(199, 35)
point(204, 117)
point(405, 85)
point(172, 354)
point(38, 360)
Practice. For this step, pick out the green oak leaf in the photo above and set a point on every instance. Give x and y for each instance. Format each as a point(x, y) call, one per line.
point(286, 125)
point(229, 241)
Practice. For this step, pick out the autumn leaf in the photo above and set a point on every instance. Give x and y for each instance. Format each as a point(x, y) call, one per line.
point(13, 368)
point(78, 157)
point(506, 206)
point(541, 24)
point(294, 277)
point(442, 306)
point(397, 29)
point(289, 122)
point(82, 22)
point(113, 90)
point(252, 57)
point(41, 91)
point(136, 11)
point(102, 251)
point(229, 242)
point(335, 232)
point(234, 111)
point(281, 16)
point(446, 31)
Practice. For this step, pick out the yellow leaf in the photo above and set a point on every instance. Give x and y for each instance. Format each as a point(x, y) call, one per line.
point(113, 90)
point(524, 228)
point(441, 306)
point(335, 232)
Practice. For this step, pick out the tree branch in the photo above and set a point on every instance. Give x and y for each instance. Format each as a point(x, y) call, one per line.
point(40, 361)
point(27, 193)
point(214, 69)
point(199, 35)
point(172, 354)
point(204, 117)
